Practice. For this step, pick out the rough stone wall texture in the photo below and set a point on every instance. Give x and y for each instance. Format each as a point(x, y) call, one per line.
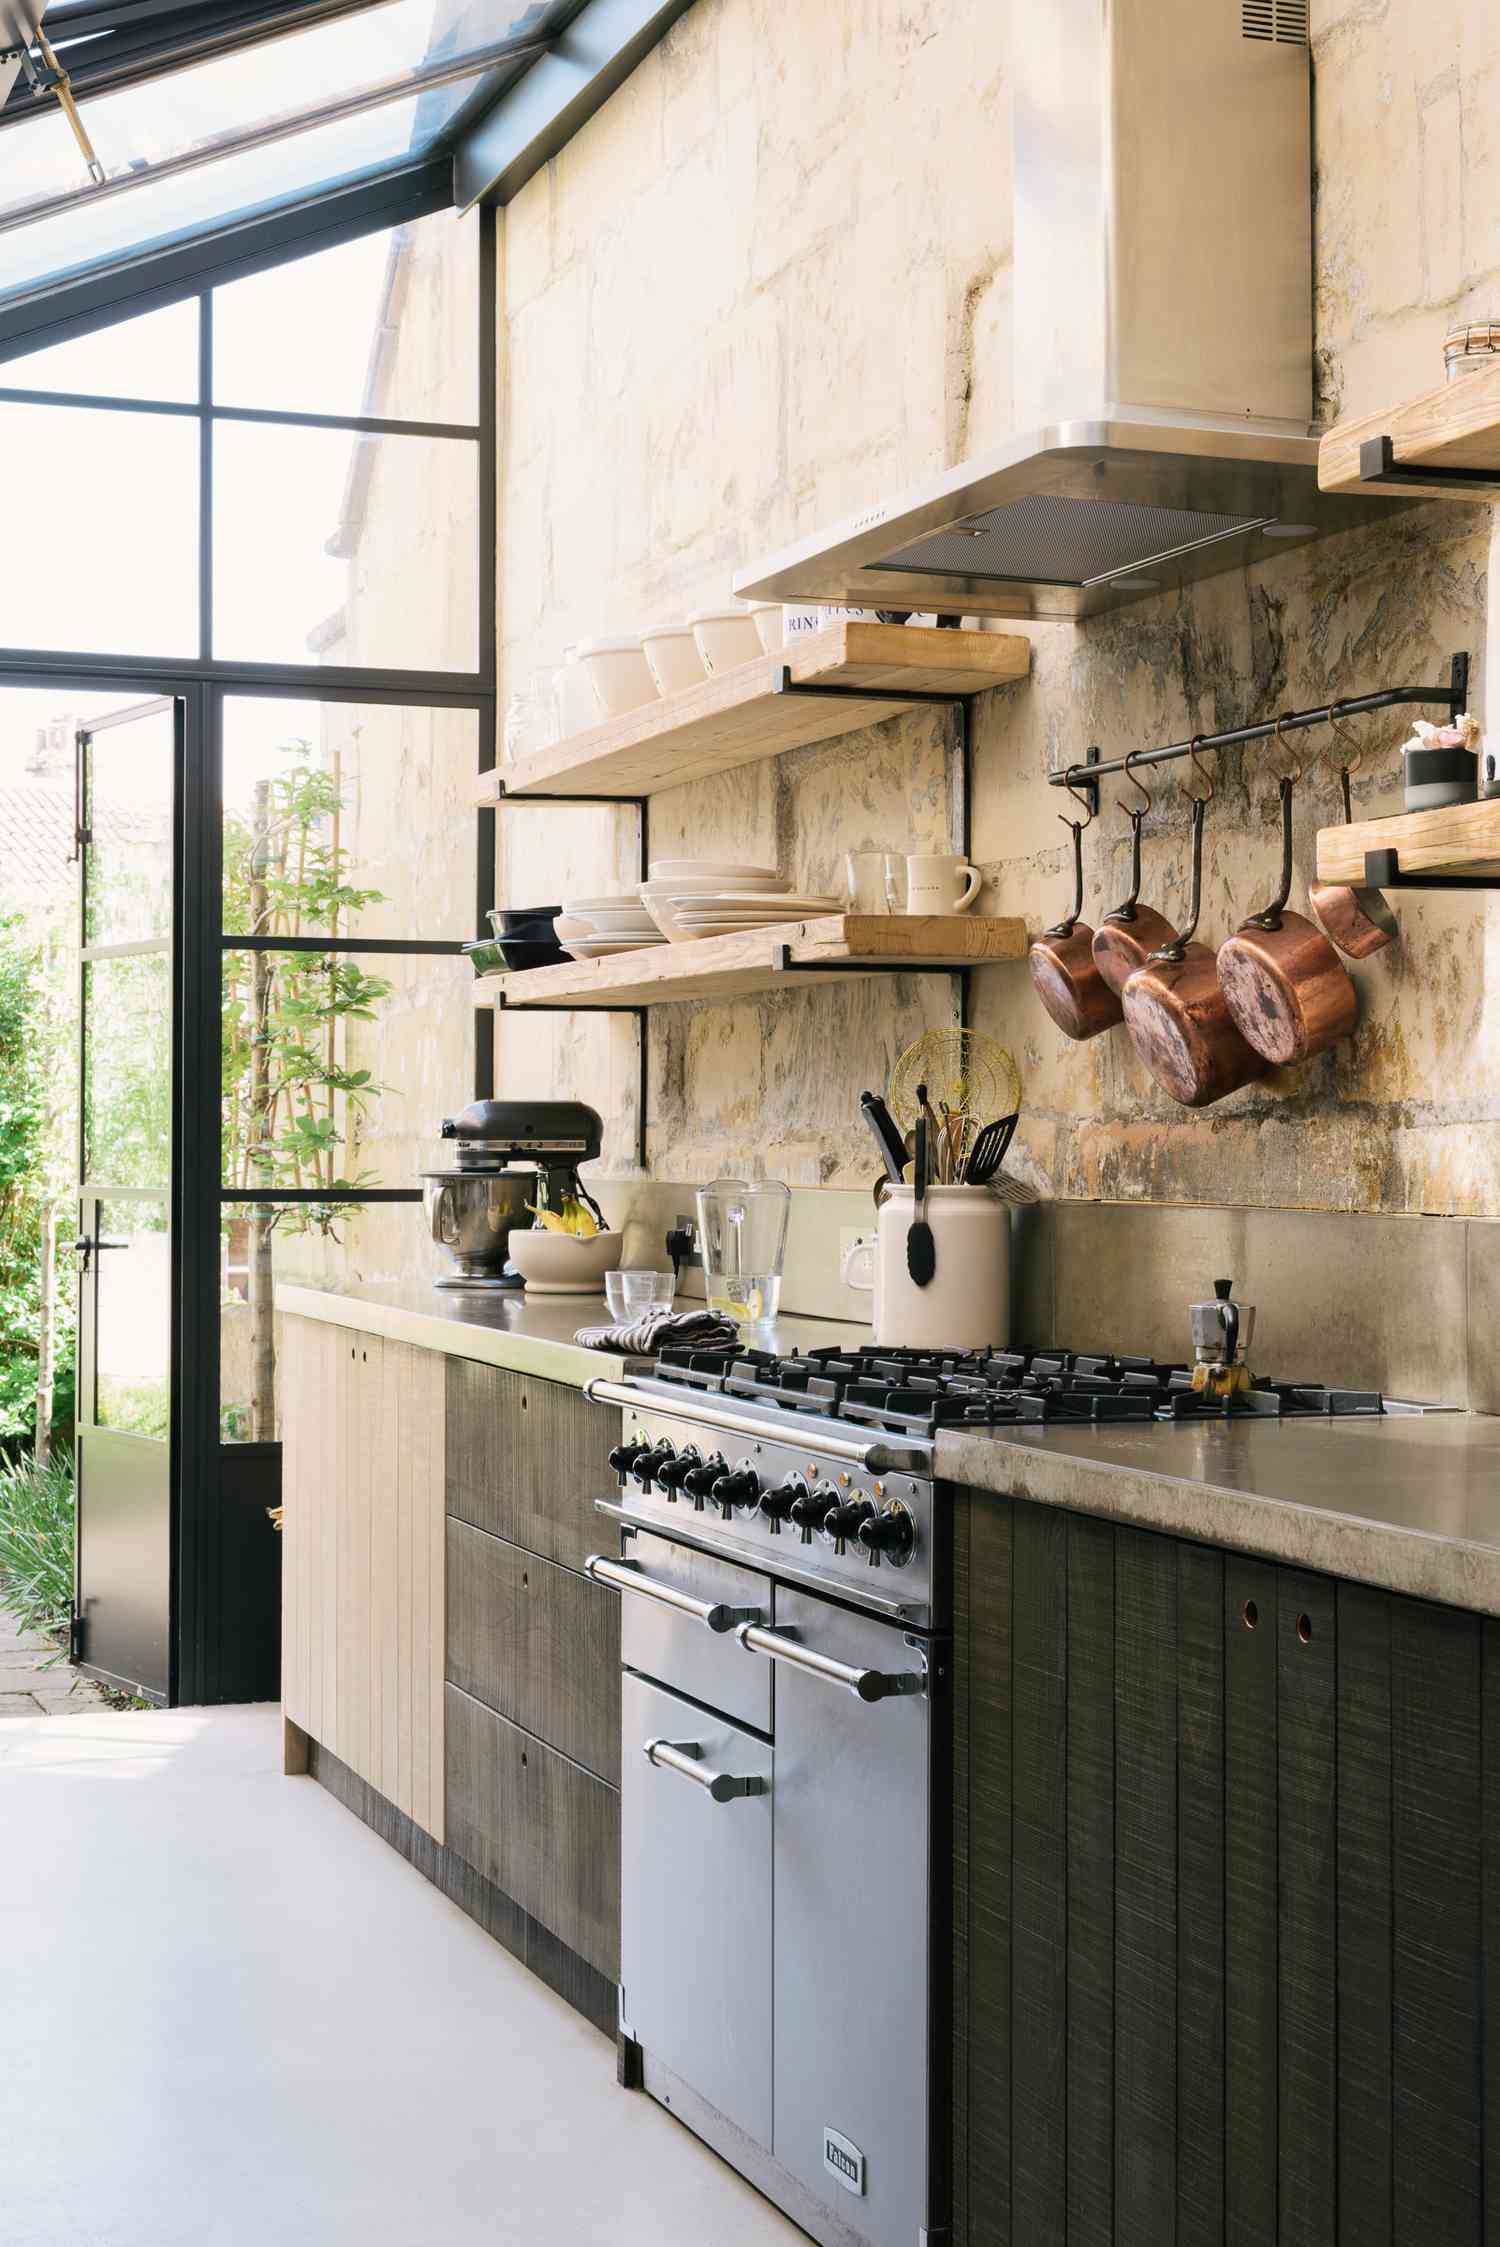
point(769, 282)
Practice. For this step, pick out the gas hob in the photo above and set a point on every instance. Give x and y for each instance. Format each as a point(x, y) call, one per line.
point(913, 1393)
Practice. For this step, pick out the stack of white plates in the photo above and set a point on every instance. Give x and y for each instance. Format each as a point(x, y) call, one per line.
point(693, 897)
point(594, 928)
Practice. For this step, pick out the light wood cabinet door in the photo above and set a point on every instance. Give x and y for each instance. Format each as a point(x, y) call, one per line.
point(364, 1569)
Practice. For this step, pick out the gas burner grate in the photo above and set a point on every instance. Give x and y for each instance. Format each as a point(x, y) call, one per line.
point(915, 1392)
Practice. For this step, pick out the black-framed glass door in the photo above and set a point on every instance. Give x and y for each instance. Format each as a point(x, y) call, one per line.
point(128, 769)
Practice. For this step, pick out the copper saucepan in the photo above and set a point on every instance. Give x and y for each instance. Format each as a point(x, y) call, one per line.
point(1290, 994)
point(1357, 920)
point(1063, 969)
point(1175, 1009)
point(1126, 938)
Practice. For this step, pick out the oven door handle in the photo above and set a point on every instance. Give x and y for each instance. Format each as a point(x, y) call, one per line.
point(867, 1685)
point(686, 1758)
point(625, 1576)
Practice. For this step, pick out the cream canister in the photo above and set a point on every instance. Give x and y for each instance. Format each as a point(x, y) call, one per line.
point(966, 1303)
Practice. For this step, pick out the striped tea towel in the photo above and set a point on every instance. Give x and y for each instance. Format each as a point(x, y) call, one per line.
point(643, 1337)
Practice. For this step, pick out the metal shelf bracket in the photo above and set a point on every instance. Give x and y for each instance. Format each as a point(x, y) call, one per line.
point(1378, 465)
point(1383, 871)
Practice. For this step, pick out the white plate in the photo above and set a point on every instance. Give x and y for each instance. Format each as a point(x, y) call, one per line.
point(712, 870)
point(638, 923)
point(752, 908)
point(605, 947)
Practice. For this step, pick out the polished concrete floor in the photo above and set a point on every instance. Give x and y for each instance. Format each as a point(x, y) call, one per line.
point(230, 2017)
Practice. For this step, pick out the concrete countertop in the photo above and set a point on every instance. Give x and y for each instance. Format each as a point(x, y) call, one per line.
point(1408, 1503)
point(521, 1333)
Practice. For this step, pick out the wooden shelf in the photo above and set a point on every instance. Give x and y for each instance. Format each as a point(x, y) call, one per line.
point(1456, 426)
point(737, 717)
point(1454, 839)
point(839, 944)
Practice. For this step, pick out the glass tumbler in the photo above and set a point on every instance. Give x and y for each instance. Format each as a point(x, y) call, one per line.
point(870, 878)
point(744, 1241)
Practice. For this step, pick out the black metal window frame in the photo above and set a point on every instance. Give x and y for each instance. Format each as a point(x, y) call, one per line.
point(201, 1598)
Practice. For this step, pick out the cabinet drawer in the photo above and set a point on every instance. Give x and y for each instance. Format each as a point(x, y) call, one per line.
point(662, 1642)
point(541, 1828)
point(526, 1459)
point(537, 1644)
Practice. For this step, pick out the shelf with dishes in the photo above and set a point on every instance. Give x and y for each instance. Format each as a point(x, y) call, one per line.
point(804, 692)
point(772, 956)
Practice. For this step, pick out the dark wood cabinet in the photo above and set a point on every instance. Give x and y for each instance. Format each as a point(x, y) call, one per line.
point(538, 1826)
point(526, 1459)
point(1227, 1847)
point(538, 1644)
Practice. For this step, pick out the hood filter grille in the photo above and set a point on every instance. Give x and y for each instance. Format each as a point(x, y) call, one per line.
point(1049, 539)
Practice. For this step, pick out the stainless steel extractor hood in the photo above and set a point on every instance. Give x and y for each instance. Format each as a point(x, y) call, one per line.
point(1161, 364)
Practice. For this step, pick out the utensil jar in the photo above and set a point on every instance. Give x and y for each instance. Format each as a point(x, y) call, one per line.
point(966, 1303)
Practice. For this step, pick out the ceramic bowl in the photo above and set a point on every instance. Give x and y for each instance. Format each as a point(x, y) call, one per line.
point(673, 655)
point(619, 674)
point(726, 638)
point(559, 1264)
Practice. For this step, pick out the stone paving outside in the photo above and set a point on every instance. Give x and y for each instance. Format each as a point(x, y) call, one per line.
point(35, 1680)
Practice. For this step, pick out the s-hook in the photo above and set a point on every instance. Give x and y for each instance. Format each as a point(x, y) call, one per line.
point(1136, 814)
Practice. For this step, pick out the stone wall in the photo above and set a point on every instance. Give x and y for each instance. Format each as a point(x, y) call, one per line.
point(770, 281)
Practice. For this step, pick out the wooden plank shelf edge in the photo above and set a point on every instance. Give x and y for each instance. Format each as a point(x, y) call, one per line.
point(1455, 427)
point(737, 717)
point(728, 966)
point(1454, 839)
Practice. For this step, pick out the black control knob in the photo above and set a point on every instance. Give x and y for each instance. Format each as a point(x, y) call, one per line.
point(777, 1504)
point(811, 1509)
point(845, 1520)
point(625, 1455)
point(740, 1487)
point(699, 1481)
point(671, 1477)
point(891, 1535)
point(650, 1463)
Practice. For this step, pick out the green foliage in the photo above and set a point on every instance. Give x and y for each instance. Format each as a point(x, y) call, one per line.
point(292, 1108)
point(23, 1189)
point(36, 1543)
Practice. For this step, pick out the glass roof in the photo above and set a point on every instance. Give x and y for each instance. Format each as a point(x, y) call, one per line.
point(278, 122)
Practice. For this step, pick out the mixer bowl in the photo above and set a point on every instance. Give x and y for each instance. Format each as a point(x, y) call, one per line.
point(472, 1213)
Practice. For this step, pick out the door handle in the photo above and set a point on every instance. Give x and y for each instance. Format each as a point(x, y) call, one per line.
point(867, 1685)
point(686, 1758)
point(84, 1247)
point(625, 1576)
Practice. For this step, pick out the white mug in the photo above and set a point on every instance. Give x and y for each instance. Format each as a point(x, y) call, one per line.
point(941, 884)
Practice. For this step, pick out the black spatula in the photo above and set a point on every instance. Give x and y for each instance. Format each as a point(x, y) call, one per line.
point(921, 1248)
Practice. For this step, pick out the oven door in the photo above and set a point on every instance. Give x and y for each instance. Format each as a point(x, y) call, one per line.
point(695, 1923)
point(854, 1993)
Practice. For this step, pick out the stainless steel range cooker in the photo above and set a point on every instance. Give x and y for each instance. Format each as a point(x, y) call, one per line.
point(786, 1606)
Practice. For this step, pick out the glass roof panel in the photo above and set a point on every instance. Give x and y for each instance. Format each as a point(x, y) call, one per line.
point(101, 231)
point(190, 109)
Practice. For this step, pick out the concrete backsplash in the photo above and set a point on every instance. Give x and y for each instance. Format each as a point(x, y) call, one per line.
point(769, 282)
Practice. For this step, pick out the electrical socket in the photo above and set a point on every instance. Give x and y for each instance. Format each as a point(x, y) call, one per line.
point(692, 1258)
point(853, 1236)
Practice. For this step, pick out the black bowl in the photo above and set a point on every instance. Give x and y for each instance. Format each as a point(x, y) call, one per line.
point(531, 923)
point(518, 953)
